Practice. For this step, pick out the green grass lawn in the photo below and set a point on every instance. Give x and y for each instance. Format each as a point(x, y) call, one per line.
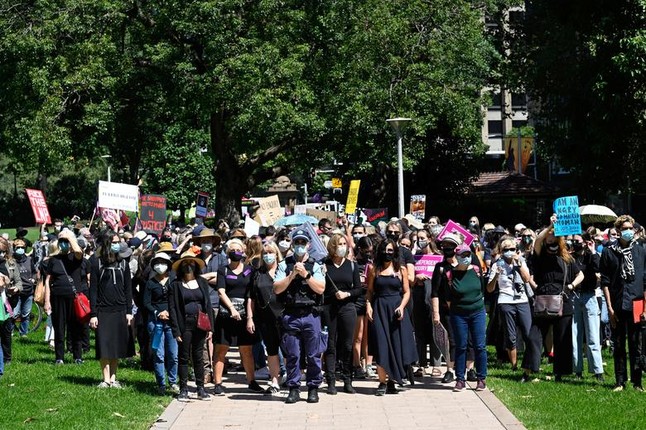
point(584, 404)
point(38, 395)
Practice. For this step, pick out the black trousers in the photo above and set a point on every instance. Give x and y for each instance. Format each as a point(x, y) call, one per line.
point(422, 323)
point(191, 346)
point(562, 334)
point(6, 328)
point(626, 330)
point(341, 321)
point(62, 318)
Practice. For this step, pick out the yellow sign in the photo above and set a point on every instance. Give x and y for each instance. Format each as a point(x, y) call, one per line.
point(353, 196)
point(336, 183)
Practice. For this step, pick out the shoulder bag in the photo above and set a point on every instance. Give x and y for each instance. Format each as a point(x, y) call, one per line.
point(550, 306)
point(81, 302)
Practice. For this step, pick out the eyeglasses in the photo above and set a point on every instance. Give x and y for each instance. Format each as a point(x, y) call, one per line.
point(392, 231)
point(509, 249)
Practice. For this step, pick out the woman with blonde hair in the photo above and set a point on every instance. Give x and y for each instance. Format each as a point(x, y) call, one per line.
point(10, 287)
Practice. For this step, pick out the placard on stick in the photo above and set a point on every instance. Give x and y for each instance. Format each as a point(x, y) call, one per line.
point(568, 216)
point(153, 213)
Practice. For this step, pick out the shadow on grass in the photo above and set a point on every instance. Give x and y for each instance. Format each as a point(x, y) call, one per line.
point(144, 387)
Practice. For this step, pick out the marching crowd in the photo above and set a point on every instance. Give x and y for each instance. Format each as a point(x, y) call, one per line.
point(335, 302)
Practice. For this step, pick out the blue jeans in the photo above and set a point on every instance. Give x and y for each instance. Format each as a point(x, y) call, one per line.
point(586, 319)
point(23, 308)
point(164, 357)
point(476, 325)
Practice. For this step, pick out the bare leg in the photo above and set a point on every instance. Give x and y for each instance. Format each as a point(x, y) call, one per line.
point(274, 368)
point(220, 356)
point(381, 372)
point(246, 355)
point(105, 369)
point(513, 357)
point(114, 364)
point(358, 341)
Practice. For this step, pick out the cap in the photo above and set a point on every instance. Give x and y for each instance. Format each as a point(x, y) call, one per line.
point(519, 227)
point(301, 234)
point(453, 238)
point(135, 242)
point(161, 256)
point(141, 235)
point(461, 249)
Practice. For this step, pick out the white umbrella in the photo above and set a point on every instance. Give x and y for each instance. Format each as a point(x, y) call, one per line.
point(596, 213)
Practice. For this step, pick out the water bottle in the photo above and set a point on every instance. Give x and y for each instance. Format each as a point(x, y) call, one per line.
point(157, 336)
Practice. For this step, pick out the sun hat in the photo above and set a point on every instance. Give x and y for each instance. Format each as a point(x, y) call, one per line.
point(453, 238)
point(207, 233)
point(186, 256)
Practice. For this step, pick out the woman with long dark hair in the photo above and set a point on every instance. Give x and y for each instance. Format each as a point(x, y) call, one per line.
point(111, 307)
point(390, 339)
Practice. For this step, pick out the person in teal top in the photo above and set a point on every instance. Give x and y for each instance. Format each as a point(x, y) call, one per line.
point(467, 316)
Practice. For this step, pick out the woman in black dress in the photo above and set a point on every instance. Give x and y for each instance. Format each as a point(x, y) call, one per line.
point(188, 296)
point(111, 307)
point(390, 339)
point(234, 285)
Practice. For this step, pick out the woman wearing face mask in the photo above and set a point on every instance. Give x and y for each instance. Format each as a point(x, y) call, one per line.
point(111, 307)
point(234, 285)
point(463, 288)
point(391, 339)
point(284, 242)
point(510, 273)
point(342, 287)
point(156, 302)
point(28, 276)
point(364, 258)
point(11, 286)
point(265, 311)
point(188, 296)
point(64, 272)
point(555, 273)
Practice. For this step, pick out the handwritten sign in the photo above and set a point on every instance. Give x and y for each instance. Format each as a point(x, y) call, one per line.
point(457, 229)
point(269, 211)
point(425, 264)
point(39, 206)
point(153, 213)
point(201, 204)
point(568, 216)
point(353, 196)
point(114, 195)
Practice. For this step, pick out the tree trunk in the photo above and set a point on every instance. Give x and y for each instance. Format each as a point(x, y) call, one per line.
point(231, 180)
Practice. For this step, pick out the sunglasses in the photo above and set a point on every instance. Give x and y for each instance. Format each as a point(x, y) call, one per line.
point(509, 249)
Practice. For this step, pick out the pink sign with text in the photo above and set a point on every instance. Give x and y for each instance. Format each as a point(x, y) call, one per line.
point(455, 228)
point(425, 264)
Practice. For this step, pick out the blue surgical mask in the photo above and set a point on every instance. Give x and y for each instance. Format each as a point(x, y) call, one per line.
point(627, 235)
point(20, 251)
point(599, 249)
point(115, 247)
point(465, 261)
point(300, 250)
point(64, 246)
point(269, 258)
point(509, 254)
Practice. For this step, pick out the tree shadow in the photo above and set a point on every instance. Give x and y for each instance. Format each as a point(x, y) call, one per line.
point(144, 387)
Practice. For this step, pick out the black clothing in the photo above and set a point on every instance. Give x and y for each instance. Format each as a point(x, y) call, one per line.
point(191, 346)
point(588, 264)
point(623, 292)
point(192, 301)
point(562, 339)
point(177, 311)
point(156, 296)
point(27, 274)
point(299, 297)
point(549, 274)
point(63, 317)
point(235, 285)
point(266, 310)
point(229, 331)
point(344, 278)
point(626, 329)
point(59, 267)
point(111, 289)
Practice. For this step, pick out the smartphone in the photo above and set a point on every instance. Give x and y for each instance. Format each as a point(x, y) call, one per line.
point(398, 314)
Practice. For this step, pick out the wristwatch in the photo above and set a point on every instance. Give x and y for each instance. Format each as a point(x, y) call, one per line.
point(309, 275)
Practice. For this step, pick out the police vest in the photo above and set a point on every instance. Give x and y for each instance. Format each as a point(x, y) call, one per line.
point(299, 294)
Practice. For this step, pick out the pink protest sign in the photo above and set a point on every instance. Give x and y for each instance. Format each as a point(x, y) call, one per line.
point(455, 228)
point(425, 264)
point(39, 206)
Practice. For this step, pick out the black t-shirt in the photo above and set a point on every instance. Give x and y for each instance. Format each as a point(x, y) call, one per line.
point(548, 273)
point(192, 300)
point(235, 285)
point(406, 256)
point(588, 264)
point(59, 267)
point(346, 278)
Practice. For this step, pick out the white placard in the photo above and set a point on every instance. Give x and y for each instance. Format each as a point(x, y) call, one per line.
point(251, 227)
point(114, 195)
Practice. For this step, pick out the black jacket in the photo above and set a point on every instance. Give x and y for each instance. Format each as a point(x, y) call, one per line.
point(609, 267)
point(176, 305)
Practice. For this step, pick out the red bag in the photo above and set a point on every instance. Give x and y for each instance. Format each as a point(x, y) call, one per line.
point(203, 321)
point(82, 308)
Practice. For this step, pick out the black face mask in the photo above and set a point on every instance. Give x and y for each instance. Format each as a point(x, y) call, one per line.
point(448, 252)
point(577, 246)
point(388, 256)
point(393, 236)
point(166, 239)
point(235, 256)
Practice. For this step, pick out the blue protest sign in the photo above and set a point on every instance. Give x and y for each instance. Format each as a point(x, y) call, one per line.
point(568, 216)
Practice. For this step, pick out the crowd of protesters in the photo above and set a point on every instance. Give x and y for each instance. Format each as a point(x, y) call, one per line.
point(356, 308)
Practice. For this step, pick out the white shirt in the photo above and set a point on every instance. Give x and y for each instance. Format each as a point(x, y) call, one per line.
point(508, 294)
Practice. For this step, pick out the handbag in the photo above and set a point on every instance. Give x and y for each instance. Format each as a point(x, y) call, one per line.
point(39, 293)
point(5, 312)
point(81, 302)
point(238, 305)
point(203, 321)
point(550, 305)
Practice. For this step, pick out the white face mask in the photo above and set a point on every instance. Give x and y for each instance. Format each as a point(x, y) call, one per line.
point(160, 268)
point(284, 245)
point(341, 251)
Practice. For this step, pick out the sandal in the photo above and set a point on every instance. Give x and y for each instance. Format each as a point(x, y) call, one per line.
point(436, 372)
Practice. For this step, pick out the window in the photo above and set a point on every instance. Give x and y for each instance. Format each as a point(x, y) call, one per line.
point(495, 128)
point(519, 101)
point(518, 124)
point(496, 102)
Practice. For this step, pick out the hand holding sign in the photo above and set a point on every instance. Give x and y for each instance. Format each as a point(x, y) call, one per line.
point(567, 217)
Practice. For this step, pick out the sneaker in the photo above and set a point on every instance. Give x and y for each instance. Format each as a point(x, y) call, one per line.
point(471, 375)
point(391, 388)
point(253, 386)
point(618, 388)
point(638, 388)
point(578, 376)
point(371, 373)
point(419, 373)
point(79, 361)
point(359, 373)
point(448, 377)
point(116, 384)
point(524, 378)
point(381, 389)
point(183, 396)
point(174, 388)
point(272, 389)
point(103, 385)
point(57, 363)
point(459, 386)
point(218, 390)
point(482, 385)
point(201, 394)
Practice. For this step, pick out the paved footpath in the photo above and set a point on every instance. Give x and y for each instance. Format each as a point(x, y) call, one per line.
point(428, 404)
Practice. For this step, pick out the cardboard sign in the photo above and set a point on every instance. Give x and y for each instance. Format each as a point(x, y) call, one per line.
point(201, 204)
point(455, 228)
point(375, 216)
point(425, 264)
point(251, 227)
point(353, 196)
point(418, 206)
point(320, 214)
point(39, 206)
point(568, 216)
point(269, 211)
point(113, 195)
point(153, 213)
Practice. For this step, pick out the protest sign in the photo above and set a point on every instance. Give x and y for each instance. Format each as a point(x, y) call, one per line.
point(251, 227)
point(375, 216)
point(425, 264)
point(568, 216)
point(114, 195)
point(321, 214)
point(455, 228)
point(269, 211)
point(201, 204)
point(418, 206)
point(317, 249)
point(39, 206)
point(353, 196)
point(153, 213)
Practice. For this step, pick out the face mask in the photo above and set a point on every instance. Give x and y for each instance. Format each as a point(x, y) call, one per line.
point(300, 250)
point(421, 244)
point(448, 252)
point(509, 254)
point(578, 246)
point(207, 247)
point(472, 223)
point(552, 248)
point(393, 236)
point(58, 228)
point(235, 256)
point(283, 245)
point(527, 240)
point(388, 256)
point(64, 246)
point(20, 251)
point(357, 236)
point(115, 247)
point(436, 229)
point(627, 235)
point(464, 261)
point(599, 249)
point(160, 268)
point(269, 258)
point(341, 251)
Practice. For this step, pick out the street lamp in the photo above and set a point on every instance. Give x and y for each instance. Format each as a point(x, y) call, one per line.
point(105, 159)
point(399, 124)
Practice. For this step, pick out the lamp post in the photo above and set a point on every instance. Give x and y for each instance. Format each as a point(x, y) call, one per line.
point(399, 124)
point(105, 159)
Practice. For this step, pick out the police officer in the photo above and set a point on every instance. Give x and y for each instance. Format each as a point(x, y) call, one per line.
point(299, 285)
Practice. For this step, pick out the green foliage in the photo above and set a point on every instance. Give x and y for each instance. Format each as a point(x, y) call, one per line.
point(525, 131)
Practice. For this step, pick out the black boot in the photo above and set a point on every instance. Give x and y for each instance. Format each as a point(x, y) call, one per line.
point(294, 395)
point(312, 395)
point(347, 387)
point(331, 387)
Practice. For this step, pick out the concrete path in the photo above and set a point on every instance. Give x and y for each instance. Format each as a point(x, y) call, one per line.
point(428, 404)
